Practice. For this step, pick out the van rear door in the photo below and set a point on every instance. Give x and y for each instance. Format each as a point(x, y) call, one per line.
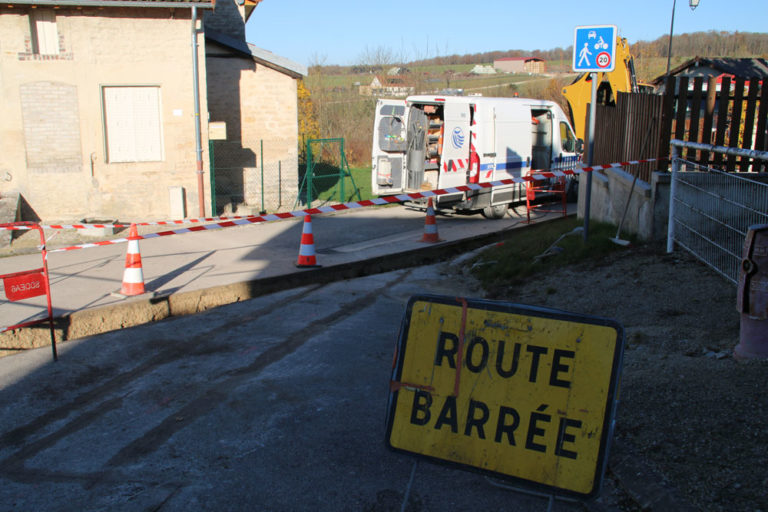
point(389, 146)
point(454, 163)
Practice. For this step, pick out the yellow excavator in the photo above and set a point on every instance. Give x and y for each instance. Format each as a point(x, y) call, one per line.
point(621, 79)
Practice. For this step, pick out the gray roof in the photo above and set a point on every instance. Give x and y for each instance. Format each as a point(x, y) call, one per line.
point(205, 4)
point(740, 68)
point(259, 55)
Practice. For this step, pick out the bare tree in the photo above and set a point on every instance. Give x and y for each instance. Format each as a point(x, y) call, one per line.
point(378, 57)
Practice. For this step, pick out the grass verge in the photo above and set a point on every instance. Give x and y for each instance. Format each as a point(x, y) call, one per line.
point(329, 189)
point(541, 248)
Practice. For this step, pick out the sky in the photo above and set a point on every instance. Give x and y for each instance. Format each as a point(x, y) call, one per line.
point(343, 31)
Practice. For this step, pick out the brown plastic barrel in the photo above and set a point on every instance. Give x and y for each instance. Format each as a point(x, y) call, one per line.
point(752, 295)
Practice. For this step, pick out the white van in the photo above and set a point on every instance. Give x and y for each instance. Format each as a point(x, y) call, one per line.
point(437, 142)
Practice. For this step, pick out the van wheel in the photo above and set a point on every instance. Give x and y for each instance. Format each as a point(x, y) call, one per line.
point(495, 212)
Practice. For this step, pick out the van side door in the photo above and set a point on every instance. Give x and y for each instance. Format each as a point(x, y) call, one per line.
point(512, 140)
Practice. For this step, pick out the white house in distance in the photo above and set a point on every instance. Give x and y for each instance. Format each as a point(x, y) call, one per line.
point(479, 69)
point(389, 85)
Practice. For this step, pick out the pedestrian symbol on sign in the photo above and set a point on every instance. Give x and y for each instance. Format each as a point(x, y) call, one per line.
point(584, 55)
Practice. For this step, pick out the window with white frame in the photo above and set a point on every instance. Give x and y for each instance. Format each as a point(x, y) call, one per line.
point(45, 34)
point(133, 123)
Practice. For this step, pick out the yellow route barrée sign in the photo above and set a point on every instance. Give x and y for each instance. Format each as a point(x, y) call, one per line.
point(517, 391)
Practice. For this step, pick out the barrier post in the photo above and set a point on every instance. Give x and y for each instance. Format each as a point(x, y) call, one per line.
point(672, 191)
point(557, 189)
point(30, 283)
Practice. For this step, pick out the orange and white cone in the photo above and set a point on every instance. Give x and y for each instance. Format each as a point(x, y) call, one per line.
point(430, 225)
point(307, 248)
point(133, 277)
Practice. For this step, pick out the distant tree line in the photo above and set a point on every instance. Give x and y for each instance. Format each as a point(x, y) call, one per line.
point(706, 44)
point(709, 44)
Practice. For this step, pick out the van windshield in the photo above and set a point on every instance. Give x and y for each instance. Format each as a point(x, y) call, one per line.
point(392, 110)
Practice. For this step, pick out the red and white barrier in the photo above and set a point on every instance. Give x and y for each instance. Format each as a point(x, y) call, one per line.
point(226, 222)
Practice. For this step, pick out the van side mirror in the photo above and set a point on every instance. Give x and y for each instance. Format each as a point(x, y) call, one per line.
point(579, 145)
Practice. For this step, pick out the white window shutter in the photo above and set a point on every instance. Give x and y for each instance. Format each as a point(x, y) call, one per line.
point(47, 34)
point(133, 124)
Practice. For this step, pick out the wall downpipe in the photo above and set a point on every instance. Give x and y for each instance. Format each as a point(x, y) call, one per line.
point(198, 136)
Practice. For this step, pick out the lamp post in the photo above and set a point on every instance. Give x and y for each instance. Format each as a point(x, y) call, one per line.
point(693, 5)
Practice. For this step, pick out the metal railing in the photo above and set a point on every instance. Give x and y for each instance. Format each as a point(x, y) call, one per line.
point(710, 211)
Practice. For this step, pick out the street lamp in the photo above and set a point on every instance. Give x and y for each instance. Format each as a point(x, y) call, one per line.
point(693, 5)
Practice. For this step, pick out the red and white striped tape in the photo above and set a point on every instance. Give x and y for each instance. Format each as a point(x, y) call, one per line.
point(228, 222)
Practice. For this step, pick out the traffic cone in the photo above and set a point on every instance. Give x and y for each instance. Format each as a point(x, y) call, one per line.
point(430, 225)
point(307, 246)
point(133, 277)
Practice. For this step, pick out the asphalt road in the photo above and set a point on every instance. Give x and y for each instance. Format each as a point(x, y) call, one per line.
point(276, 403)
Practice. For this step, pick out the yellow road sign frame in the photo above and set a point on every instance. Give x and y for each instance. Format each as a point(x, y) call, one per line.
point(518, 392)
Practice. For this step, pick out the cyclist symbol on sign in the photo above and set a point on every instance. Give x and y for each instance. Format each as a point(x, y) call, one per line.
point(600, 44)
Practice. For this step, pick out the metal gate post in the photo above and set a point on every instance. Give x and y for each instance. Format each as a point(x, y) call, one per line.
point(212, 166)
point(48, 292)
point(308, 174)
point(342, 174)
point(261, 149)
point(672, 191)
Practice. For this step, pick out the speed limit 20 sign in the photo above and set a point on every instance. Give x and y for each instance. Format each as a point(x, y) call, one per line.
point(603, 60)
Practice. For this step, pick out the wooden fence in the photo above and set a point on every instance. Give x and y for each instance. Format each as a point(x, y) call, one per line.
point(630, 130)
point(732, 113)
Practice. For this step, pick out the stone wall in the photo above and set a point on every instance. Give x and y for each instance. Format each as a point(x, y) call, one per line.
point(647, 212)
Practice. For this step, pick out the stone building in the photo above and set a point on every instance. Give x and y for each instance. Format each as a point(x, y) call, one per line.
point(252, 97)
point(521, 65)
point(99, 105)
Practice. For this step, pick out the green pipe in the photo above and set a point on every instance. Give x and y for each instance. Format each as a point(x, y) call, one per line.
point(262, 176)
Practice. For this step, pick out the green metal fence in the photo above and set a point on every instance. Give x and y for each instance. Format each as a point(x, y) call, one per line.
point(326, 177)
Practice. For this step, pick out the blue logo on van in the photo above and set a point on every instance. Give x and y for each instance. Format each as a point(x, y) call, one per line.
point(457, 137)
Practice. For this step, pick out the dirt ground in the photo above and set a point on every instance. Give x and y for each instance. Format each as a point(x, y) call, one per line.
point(695, 415)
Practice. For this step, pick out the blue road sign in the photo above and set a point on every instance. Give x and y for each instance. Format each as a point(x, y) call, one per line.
point(594, 48)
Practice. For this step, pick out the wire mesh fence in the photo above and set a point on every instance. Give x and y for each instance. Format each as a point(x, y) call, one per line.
point(253, 178)
point(712, 210)
point(271, 176)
